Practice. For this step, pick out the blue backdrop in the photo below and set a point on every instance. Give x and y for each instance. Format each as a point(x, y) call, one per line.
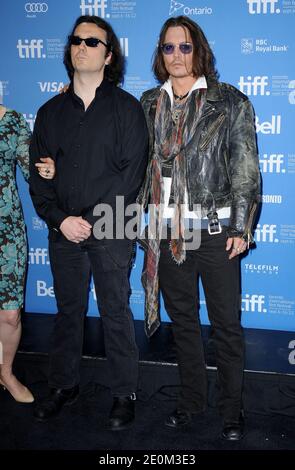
point(253, 41)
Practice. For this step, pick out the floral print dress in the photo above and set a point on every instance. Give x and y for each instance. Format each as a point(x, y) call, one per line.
point(14, 150)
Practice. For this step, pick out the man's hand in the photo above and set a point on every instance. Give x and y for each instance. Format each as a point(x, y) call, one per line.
point(46, 168)
point(75, 229)
point(237, 246)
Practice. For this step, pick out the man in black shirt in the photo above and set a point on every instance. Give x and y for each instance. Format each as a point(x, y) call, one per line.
point(97, 134)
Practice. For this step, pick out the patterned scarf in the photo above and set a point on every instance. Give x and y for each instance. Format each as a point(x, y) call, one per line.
point(171, 140)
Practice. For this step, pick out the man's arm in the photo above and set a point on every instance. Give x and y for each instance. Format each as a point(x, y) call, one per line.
point(244, 171)
point(42, 190)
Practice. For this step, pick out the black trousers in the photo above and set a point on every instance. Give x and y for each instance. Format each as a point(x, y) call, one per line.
point(221, 282)
point(71, 264)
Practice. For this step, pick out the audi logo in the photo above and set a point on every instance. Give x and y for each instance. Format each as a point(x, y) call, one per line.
point(36, 7)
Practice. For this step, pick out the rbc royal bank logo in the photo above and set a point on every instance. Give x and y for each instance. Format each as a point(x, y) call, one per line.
point(94, 7)
point(258, 7)
point(254, 85)
point(266, 233)
point(30, 49)
point(253, 303)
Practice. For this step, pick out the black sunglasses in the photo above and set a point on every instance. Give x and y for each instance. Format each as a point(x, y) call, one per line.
point(184, 47)
point(90, 42)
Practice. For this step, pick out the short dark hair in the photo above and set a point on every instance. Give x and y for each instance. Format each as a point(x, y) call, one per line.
point(114, 72)
point(203, 57)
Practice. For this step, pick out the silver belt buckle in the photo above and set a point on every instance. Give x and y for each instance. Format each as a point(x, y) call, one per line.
point(214, 227)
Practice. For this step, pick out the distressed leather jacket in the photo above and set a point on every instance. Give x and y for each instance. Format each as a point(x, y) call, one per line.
point(222, 161)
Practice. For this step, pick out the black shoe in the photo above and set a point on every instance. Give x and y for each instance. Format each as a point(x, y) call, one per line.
point(52, 405)
point(179, 418)
point(233, 431)
point(122, 413)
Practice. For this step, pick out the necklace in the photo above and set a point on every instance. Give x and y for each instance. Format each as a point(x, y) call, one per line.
point(180, 97)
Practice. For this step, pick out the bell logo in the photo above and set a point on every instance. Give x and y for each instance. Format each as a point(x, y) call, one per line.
point(269, 127)
point(43, 290)
point(254, 85)
point(94, 7)
point(266, 233)
point(263, 7)
point(253, 303)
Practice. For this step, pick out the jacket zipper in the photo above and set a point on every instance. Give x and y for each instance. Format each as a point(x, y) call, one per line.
point(212, 132)
point(248, 237)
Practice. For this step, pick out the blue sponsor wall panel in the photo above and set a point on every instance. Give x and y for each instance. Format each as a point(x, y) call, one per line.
point(254, 44)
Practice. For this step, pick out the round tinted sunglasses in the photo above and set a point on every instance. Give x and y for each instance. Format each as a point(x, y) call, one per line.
point(90, 42)
point(184, 47)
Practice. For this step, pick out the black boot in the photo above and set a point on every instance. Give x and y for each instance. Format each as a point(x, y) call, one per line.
point(233, 430)
point(179, 418)
point(122, 413)
point(52, 405)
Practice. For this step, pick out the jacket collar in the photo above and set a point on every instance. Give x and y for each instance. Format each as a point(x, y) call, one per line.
point(213, 92)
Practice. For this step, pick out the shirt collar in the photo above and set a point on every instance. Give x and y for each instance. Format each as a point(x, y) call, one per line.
point(199, 83)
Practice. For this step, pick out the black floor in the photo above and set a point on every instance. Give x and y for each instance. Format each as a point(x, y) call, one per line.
point(269, 402)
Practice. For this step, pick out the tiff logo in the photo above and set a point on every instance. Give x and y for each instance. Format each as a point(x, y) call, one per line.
point(94, 7)
point(254, 85)
point(30, 49)
point(38, 256)
point(292, 353)
point(272, 163)
point(263, 6)
point(253, 303)
point(266, 233)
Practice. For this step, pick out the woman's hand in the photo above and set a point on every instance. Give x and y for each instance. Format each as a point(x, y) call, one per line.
point(65, 88)
point(46, 168)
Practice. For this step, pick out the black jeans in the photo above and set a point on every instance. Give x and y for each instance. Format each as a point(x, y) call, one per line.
point(71, 264)
point(221, 282)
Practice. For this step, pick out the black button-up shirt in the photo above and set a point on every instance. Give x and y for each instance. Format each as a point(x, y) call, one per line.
point(99, 153)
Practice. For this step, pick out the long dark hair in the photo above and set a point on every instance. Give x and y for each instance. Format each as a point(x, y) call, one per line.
point(203, 57)
point(114, 72)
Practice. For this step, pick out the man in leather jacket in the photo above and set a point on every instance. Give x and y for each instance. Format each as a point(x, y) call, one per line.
point(203, 172)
